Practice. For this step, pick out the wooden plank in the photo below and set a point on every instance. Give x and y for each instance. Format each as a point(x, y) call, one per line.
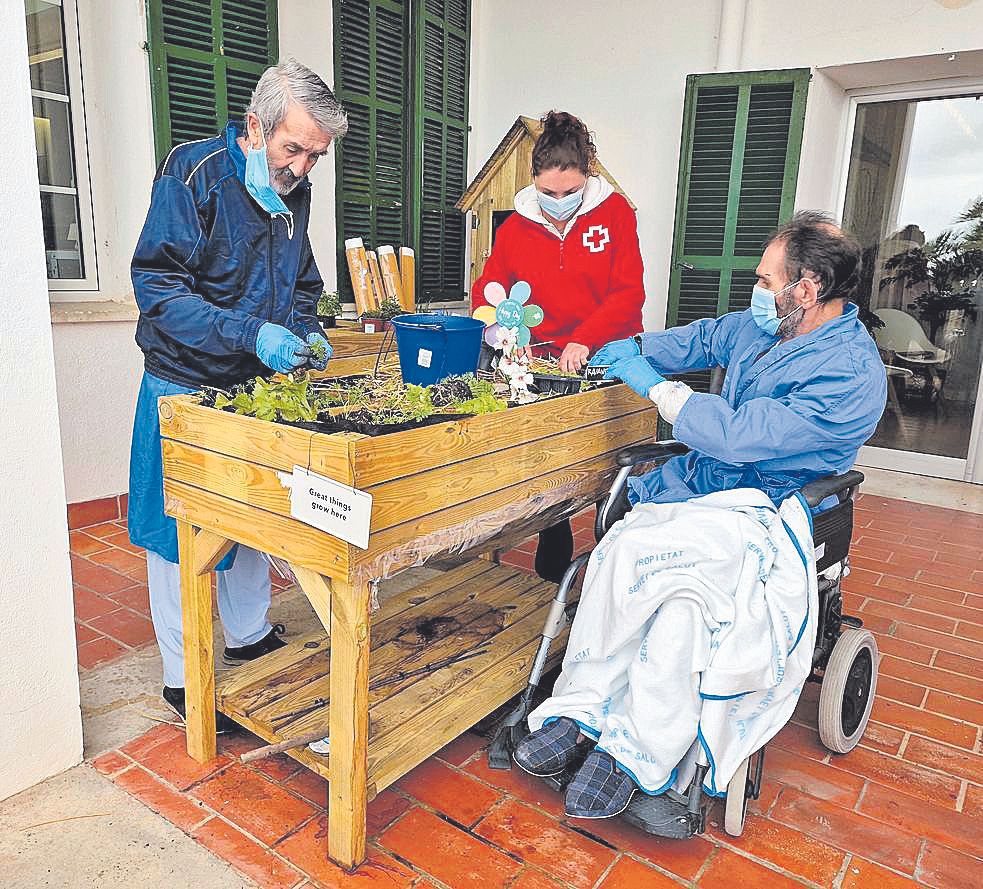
point(250, 688)
point(349, 724)
point(410, 497)
point(411, 726)
point(375, 275)
point(358, 269)
point(210, 549)
point(407, 274)
point(463, 624)
point(388, 457)
point(317, 588)
point(389, 268)
point(407, 498)
point(290, 539)
point(199, 660)
point(272, 444)
point(351, 344)
point(592, 477)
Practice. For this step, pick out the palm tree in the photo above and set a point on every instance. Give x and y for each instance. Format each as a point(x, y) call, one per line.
point(945, 273)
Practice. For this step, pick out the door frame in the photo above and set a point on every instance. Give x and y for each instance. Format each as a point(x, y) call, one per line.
point(969, 469)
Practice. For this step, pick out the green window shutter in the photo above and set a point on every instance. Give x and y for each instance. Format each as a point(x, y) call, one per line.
point(443, 34)
point(738, 165)
point(401, 71)
point(371, 77)
point(205, 59)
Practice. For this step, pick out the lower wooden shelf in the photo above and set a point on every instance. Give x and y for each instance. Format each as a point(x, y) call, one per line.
point(490, 613)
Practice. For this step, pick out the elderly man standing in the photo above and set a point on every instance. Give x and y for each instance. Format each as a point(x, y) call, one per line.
point(227, 287)
point(687, 634)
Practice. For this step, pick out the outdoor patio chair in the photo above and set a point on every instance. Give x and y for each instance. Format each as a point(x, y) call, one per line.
point(845, 656)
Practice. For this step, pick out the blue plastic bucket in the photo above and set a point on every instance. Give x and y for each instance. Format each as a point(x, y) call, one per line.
point(432, 347)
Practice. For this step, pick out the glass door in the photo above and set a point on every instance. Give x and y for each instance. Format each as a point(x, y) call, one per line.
point(914, 198)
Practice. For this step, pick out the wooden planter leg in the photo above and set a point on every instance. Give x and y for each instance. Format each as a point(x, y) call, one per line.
point(349, 723)
point(199, 661)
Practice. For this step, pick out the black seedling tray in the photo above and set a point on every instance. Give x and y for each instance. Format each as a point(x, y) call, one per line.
point(552, 384)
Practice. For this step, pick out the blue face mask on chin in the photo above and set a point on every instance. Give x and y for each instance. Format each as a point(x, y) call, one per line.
point(560, 208)
point(764, 308)
point(258, 185)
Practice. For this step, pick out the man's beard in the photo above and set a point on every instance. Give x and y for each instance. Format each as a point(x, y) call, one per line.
point(283, 181)
point(789, 326)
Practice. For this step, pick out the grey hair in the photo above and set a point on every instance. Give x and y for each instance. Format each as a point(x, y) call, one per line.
point(290, 81)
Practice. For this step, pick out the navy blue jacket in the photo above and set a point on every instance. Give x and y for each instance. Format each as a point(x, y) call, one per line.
point(212, 266)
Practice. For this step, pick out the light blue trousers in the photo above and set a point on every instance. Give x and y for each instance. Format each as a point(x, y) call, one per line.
point(243, 602)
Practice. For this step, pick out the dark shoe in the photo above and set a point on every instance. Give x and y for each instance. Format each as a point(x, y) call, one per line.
point(549, 750)
point(233, 657)
point(175, 698)
point(600, 789)
point(554, 552)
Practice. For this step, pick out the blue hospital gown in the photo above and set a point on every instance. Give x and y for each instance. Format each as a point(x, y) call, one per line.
point(797, 412)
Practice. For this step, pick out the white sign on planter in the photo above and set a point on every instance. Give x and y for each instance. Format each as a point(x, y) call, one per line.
point(342, 511)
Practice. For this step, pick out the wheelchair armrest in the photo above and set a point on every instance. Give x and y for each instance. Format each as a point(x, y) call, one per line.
point(841, 485)
point(646, 453)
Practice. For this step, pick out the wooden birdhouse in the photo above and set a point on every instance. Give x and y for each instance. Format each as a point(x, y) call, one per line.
point(492, 192)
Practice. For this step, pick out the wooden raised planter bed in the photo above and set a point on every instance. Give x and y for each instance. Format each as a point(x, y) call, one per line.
point(452, 489)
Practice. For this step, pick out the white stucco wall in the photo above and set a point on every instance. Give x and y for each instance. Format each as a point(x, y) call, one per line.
point(98, 365)
point(622, 68)
point(40, 720)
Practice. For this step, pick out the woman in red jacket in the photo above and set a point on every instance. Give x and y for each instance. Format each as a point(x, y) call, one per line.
point(575, 240)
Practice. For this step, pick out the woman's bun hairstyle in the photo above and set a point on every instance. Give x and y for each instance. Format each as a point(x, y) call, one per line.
point(564, 143)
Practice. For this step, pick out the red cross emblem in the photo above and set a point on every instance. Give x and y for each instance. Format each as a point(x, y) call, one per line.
point(596, 237)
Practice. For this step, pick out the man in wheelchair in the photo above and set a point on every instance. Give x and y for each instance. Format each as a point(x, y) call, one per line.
point(684, 655)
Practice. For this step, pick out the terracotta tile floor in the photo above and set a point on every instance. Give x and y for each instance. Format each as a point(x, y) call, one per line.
point(903, 809)
point(109, 576)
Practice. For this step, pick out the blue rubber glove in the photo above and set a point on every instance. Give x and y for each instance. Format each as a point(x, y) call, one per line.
point(637, 372)
point(615, 351)
point(279, 349)
point(328, 351)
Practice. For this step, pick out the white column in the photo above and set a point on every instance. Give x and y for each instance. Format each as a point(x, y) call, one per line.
point(730, 35)
point(40, 719)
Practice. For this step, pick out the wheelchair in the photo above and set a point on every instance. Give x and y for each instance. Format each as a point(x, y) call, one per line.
point(844, 660)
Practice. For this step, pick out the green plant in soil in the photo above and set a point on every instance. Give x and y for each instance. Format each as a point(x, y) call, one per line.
point(288, 398)
point(382, 401)
point(386, 311)
point(329, 304)
point(318, 350)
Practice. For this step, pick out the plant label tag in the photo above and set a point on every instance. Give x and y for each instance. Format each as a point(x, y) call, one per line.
point(370, 328)
point(339, 510)
point(594, 372)
point(424, 357)
point(820, 550)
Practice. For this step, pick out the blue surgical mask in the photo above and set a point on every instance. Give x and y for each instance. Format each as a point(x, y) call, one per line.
point(764, 308)
point(560, 208)
point(258, 185)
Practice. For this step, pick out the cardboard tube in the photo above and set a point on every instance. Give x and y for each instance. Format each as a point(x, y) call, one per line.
point(378, 294)
point(407, 272)
point(390, 274)
point(358, 268)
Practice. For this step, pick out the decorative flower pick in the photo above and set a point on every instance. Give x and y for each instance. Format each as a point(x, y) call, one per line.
point(510, 312)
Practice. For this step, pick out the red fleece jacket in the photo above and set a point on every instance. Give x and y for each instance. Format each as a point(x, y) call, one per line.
point(588, 284)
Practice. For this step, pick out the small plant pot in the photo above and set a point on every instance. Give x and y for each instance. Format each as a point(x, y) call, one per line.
point(550, 384)
point(487, 358)
point(327, 321)
point(374, 325)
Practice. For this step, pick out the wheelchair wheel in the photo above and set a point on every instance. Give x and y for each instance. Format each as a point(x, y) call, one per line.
point(847, 692)
point(735, 805)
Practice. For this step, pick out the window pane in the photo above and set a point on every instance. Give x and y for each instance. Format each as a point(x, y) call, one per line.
point(53, 136)
point(46, 47)
point(915, 200)
point(60, 218)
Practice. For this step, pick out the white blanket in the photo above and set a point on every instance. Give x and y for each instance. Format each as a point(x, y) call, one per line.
point(695, 629)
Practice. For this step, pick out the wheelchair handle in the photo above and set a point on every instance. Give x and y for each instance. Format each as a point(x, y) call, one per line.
point(843, 486)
